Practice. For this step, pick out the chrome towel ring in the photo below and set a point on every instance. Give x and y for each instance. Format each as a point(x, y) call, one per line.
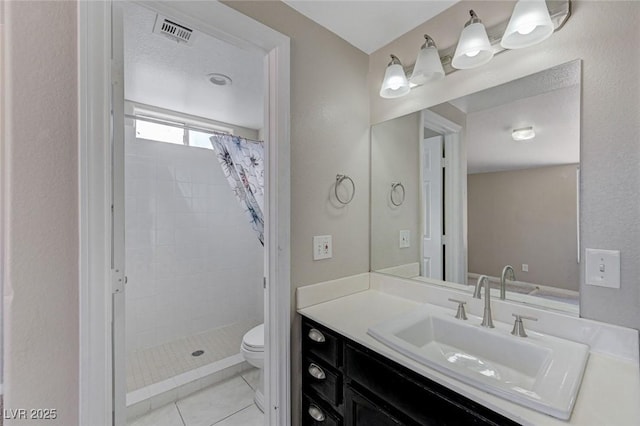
point(339, 180)
point(395, 186)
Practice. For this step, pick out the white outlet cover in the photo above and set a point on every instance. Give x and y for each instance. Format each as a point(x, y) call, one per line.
point(322, 247)
point(602, 268)
point(405, 239)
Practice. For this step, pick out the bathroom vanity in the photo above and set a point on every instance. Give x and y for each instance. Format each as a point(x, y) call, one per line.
point(345, 383)
point(351, 378)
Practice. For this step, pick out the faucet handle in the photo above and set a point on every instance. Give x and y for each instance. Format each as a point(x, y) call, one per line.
point(461, 314)
point(518, 326)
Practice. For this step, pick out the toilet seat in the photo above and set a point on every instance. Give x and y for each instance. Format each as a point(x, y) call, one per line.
point(253, 340)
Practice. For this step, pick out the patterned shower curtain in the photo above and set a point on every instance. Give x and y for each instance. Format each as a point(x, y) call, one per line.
point(242, 161)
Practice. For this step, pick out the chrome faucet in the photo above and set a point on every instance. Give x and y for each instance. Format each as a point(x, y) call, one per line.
point(483, 281)
point(507, 272)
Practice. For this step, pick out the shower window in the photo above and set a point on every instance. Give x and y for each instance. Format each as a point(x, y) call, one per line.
point(178, 130)
point(199, 139)
point(159, 132)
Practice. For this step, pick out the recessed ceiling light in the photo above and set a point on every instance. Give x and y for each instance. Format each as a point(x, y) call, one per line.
point(523, 134)
point(219, 79)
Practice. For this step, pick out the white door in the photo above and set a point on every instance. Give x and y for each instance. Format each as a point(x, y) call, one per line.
point(432, 207)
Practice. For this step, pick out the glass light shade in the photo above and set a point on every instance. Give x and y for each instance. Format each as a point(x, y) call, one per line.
point(474, 48)
point(395, 83)
point(530, 23)
point(524, 134)
point(428, 66)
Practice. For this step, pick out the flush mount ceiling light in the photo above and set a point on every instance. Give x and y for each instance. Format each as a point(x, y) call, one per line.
point(219, 79)
point(474, 48)
point(530, 24)
point(395, 83)
point(523, 134)
point(428, 65)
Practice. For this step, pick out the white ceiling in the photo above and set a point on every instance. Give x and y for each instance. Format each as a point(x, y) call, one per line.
point(548, 100)
point(370, 25)
point(162, 73)
point(555, 117)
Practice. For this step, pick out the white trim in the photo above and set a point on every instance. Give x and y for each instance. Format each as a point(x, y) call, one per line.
point(94, 80)
point(94, 35)
point(277, 239)
point(455, 195)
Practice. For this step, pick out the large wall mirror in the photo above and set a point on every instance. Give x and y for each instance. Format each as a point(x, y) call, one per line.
point(490, 180)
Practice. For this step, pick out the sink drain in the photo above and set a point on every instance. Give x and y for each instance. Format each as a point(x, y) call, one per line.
point(197, 353)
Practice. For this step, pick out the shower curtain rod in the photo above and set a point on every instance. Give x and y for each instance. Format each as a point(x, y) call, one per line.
point(185, 126)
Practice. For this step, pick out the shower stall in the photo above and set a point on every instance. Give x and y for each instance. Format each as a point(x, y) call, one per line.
point(194, 267)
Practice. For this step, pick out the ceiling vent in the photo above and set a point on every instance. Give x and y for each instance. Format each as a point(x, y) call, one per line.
point(173, 30)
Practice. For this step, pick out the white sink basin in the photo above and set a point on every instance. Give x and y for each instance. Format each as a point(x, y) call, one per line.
point(540, 372)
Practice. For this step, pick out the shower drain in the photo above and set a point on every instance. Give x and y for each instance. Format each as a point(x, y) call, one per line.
point(197, 353)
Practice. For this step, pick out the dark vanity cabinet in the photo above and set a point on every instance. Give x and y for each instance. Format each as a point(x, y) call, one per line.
point(346, 384)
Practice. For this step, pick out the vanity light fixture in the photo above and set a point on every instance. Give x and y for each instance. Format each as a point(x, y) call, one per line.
point(523, 134)
point(474, 48)
point(530, 24)
point(428, 65)
point(395, 82)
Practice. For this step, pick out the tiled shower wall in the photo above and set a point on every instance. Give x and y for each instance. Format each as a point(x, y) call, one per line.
point(193, 261)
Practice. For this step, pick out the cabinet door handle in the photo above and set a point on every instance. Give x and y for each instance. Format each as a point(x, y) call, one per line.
point(316, 372)
point(316, 336)
point(316, 413)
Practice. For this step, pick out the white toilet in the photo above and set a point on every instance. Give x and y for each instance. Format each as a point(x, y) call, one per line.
point(252, 349)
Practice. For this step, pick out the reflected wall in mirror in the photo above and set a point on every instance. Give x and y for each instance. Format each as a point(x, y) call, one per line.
point(478, 199)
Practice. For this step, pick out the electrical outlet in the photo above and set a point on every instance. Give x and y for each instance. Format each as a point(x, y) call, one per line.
point(525, 267)
point(322, 247)
point(405, 239)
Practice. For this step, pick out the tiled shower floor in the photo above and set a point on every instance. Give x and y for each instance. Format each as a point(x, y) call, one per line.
point(148, 366)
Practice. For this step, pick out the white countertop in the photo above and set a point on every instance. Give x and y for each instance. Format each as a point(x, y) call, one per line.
point(610, 391)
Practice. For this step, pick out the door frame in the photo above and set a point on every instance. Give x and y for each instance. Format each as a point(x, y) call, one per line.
point(455, 194)
point(95, 76)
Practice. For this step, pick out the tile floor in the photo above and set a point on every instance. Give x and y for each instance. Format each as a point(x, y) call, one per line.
point(148, 366)
point(229, 403)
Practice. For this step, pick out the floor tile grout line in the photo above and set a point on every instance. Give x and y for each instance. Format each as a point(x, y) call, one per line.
point(232, 414)
point(247, 382)
point(180, 413)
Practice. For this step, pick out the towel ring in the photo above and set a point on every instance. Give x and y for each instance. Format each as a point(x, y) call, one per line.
point(394, 187)
point(339, 180)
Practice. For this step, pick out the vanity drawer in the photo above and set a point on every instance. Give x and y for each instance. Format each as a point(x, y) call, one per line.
point(321, 342)
point(414, 396)
point(322, 380)
point(316, 413)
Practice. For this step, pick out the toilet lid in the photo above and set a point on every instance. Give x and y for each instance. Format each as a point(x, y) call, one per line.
point(254, 338)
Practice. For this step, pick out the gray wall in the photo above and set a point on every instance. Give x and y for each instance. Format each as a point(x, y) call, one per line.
point(525, 216)
point(329, 135)
point(610, 153)
point(41, 208)
point(395, 158)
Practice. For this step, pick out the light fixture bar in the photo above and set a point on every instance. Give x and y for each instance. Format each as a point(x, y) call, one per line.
point(560, 11)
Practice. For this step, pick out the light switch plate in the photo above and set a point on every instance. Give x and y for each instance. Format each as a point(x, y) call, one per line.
point(322, 247)
point(602, 268)
point(405, 239)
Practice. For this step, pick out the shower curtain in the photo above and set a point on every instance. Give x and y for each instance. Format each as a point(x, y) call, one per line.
point(242, 162)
